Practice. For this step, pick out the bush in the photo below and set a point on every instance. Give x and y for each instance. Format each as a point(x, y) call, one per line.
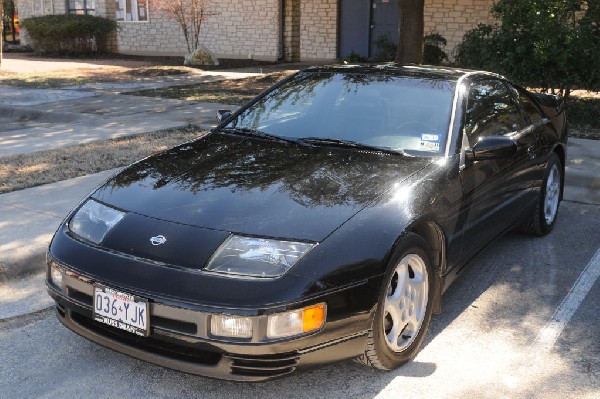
point(433, 54)
point(584, 112)
point(548, 44)
point(354, 58)
point(68, 34)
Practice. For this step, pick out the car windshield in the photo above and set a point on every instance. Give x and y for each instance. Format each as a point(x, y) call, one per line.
point(398, 113)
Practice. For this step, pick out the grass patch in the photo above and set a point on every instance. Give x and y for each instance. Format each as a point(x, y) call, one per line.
point(22, 171)
point(84, 75)
point(199, 93)
point(233, 91)
point(53, 79)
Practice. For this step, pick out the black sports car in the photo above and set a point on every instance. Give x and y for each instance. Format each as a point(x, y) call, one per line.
point(322, 221)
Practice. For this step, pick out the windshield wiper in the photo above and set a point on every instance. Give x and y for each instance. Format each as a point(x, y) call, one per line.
point(349, 144)
point(257, 133)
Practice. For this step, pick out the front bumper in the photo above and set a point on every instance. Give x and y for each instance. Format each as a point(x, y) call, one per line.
point(179, 337)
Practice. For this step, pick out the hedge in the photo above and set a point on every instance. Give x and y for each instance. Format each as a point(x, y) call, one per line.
point(68, 34)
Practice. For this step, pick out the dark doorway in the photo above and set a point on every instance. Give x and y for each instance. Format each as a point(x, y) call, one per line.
point(384, 25)
point(354, 27)
point(364, 22)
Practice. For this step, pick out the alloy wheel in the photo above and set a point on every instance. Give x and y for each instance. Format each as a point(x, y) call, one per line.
point(552, 195)
point(406, 302)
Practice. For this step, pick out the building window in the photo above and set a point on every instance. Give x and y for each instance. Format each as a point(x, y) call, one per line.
point(132, 10)
point(81, 7)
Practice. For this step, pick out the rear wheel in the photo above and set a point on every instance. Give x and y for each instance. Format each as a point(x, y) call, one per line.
point(546, 211)
point(404, 308)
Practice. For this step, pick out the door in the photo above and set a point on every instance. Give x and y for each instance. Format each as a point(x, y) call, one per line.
point(495, 192)
point(354, 27)
point(384, 25)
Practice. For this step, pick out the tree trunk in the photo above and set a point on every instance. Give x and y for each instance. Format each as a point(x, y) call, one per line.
point(410, 40)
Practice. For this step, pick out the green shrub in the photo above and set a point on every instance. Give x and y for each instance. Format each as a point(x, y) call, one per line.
point(547, 44)
point(476, 51)
point(354, 58)
point(584, 112)
point(433, 53)
point(68, 34)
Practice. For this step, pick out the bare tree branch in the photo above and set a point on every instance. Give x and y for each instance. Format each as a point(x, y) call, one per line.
point(189, 14)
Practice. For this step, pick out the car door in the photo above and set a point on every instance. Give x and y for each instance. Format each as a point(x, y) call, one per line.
point(495, 192)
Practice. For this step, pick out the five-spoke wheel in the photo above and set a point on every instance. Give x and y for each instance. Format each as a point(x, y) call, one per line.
point(404, 308)
point(406, 302)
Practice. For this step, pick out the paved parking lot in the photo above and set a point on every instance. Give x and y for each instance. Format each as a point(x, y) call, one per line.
point(485, 344)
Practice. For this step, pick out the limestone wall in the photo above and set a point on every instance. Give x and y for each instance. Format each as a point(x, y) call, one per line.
point(453, 18)
point(235, 30)
point(318, 29)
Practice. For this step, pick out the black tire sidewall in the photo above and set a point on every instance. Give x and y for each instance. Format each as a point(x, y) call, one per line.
point(410, 244)
point(541, 226)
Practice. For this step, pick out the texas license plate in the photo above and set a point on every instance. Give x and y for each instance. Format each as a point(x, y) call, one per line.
point(121, 310)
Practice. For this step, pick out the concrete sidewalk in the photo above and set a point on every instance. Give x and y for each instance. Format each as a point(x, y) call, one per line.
point(99, 117)
point(40, 119)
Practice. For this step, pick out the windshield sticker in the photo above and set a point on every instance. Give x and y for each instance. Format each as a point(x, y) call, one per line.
point(429, 146)
point(431, 137)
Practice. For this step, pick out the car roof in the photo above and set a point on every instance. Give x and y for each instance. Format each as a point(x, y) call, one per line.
point(412, 71)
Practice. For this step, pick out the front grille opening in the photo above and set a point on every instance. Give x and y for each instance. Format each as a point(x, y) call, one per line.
point(149, 344)
point(264, 366)
point(80, 296)
point(260, 372)
point(61, 310)
point(174, 325)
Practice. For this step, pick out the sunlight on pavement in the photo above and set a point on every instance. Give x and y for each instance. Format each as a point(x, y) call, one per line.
point(24, 296)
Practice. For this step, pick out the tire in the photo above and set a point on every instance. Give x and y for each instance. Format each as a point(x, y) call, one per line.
point(546, 209)
point(397, 332)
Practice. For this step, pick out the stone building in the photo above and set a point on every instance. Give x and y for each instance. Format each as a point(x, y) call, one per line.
point(299, 30)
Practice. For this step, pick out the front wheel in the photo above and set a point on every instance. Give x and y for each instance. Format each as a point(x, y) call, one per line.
point(404, 308)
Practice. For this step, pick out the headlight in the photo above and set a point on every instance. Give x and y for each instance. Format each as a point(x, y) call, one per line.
point(56, 277)
point(257, 257)
point(94, 220)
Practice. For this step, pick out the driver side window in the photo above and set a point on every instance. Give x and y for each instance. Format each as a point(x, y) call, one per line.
point(491, 111)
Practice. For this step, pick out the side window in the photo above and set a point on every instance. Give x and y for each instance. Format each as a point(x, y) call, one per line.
point(491, 111)
point(531, 110)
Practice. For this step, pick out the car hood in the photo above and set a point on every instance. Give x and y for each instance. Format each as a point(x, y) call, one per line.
point(255, 186)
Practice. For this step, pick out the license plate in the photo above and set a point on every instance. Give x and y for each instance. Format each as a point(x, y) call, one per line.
point(121, 310)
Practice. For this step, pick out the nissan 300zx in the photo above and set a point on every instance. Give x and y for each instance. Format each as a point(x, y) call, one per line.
point(321, 221)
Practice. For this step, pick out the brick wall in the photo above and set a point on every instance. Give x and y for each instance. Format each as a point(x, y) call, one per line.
point(245, 29)
point(318, 30)
point(34, 8)
point(453, 18)
point(248, 29)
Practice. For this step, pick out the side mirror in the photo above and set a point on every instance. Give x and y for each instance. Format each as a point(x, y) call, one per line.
point(492, 147)
point(223, 114)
